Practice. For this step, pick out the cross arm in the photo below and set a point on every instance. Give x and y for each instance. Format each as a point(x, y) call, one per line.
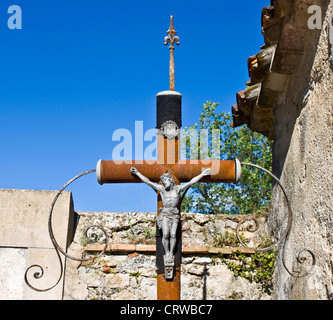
point(222, 171)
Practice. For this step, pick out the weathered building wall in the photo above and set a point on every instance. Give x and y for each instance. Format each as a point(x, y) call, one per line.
point(303, 158)
point(289, 99)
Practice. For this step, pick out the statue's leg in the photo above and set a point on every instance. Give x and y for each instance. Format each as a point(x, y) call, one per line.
point(173, 239)
point(166, 235)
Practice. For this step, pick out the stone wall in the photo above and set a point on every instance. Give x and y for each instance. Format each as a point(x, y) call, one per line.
point(132, 275)
point(303, 158)
point(127, 271)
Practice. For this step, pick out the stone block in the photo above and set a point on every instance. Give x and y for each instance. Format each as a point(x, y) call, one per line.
point(13, 263)
point(24, 218)
point(276, 81)
point(231, 224)
point(197, 271)
point(25, 241)
point(118, 281)
point(286, 62)
point(293, 38)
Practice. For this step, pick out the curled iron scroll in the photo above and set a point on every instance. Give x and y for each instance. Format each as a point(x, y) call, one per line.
point(254, 226)
point(40, 273)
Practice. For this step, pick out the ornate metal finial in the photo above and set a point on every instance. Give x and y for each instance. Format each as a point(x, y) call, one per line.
point(172, 39)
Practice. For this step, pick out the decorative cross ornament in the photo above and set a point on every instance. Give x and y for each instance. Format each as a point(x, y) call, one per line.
point(172, 39)
point(169, 129)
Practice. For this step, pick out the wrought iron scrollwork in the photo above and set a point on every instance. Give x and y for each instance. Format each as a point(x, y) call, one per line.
point(300, 259)
point(253, 226)
point(91, 238)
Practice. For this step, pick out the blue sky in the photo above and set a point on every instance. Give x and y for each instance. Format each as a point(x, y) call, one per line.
point(79, 70)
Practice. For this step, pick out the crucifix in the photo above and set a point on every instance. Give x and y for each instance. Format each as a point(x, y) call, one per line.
point(169, 176)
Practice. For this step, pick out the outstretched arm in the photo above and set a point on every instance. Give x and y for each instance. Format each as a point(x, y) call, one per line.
point(205, 172)
point(145, 180)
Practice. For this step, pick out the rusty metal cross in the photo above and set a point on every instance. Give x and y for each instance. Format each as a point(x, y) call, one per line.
point(168, 160)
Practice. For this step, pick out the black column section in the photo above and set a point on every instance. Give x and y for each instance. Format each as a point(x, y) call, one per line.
point(169, 108)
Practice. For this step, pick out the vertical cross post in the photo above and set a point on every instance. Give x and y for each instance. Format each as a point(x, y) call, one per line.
point(169, 120)
point(168, 123)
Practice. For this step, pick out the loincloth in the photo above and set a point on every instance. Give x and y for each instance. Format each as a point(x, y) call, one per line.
point(171, 214)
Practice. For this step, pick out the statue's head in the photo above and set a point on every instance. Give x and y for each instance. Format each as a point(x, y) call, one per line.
point(168, 181)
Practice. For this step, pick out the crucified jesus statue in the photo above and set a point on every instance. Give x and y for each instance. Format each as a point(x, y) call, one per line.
point(169, 216)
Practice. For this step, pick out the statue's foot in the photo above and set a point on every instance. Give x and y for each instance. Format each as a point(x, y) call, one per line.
point(170, 258)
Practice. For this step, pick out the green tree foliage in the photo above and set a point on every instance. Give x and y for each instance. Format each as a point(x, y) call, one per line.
point(253, 193)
